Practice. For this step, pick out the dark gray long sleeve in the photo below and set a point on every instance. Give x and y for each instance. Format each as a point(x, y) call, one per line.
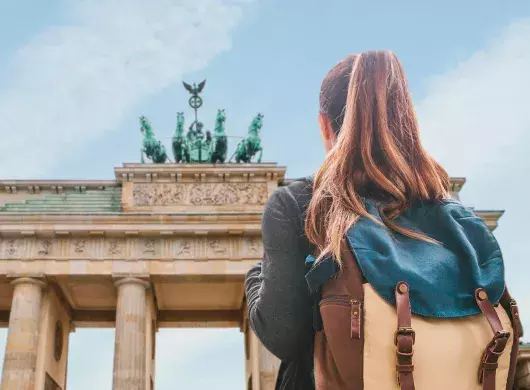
point(277, 294)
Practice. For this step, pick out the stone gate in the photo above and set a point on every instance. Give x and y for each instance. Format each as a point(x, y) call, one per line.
point(162, 245)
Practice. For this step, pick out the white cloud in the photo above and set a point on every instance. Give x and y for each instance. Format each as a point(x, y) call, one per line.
point(476, 121)
point(73, 83)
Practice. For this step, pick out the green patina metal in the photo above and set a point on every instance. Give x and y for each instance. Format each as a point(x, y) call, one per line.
point(151, 147)
point(197, 145)
point(220, 141)
point(251, 145)
point(181, 151)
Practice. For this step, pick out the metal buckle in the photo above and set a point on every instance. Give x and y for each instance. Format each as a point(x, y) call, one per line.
point(502, 334)
point(404, 331)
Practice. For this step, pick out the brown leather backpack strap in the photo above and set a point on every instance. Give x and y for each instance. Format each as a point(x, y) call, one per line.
point(404, 338)
point(510, 305)
point(495, 348)
point(353, 281)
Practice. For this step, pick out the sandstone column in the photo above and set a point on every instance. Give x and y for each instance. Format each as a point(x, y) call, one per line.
point(23, 335)
point(130, 362)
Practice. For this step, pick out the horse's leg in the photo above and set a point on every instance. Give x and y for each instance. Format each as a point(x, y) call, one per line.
point(260, 154)
point(142, 155)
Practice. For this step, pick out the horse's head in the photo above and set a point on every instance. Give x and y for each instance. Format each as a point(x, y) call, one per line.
point(257, 123)
point(221, 116)
point(180, 118)
point(145, 126)
point(180, 123)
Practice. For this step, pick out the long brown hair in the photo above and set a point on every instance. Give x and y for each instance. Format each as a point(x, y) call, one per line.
point(377, 152)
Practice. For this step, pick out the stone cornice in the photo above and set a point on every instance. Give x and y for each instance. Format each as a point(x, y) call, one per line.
point(490, 217)
point(118, 224)
point(149, 223)
point(55, 186)
point(193, 173)
point(249, 227)
point(194, 247)
point(455, 186)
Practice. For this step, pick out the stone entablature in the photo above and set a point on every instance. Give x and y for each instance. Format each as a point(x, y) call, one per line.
point(199, 194)
point(193, 173)
point(187, 187)
point(193, 247)
point(131, 224)
point(53, 186)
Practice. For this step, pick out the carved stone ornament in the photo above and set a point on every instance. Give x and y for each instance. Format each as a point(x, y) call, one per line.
point(79, 246)
point(254, 245)
point(11, 247)
point(159, 194)
point(115, 247)
point(199, 194)
point(150, 247)
point(184, 247)
point(45, 248)
point(217, 247)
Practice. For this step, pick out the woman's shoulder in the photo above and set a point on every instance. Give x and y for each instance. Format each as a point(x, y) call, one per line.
point(294, 194)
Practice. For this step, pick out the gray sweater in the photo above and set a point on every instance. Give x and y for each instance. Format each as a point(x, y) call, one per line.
point(280, 308)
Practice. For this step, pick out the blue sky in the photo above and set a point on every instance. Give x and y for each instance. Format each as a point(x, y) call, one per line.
point(75, 76)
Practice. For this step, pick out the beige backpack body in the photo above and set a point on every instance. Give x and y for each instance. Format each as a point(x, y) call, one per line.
point(367, 343)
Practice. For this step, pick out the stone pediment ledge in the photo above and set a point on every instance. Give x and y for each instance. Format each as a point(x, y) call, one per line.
point(55, 186)
point(130, 224)
point(455, 186)
point(193, 173)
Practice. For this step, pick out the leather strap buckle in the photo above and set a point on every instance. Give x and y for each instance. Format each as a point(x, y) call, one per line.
point(498, 343)
point(404, 331)
point(502, 334)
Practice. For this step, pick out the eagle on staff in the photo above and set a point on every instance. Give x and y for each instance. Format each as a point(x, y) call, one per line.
point(195, 100)
point(194, 89)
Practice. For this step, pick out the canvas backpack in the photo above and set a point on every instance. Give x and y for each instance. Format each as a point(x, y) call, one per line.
point(365, 342)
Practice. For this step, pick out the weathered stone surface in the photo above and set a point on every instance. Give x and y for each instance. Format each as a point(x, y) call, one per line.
point(133, 248)
point(130, 362)
point(199, 194)
point(22, 339)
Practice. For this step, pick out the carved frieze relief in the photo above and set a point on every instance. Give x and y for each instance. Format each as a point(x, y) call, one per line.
point(199, 194)
point(11, 247)
point(115, 247)
point(198, 247)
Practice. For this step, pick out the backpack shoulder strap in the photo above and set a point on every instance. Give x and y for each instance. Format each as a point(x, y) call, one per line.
point(404, 338)
point(510, 306)
point(495, 348)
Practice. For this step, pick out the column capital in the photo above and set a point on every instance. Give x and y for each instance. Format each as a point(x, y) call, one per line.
point(41, 282)
point(118, 281)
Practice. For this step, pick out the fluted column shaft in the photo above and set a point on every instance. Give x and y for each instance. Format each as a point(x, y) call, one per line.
point(20, 359)
point(130, 362)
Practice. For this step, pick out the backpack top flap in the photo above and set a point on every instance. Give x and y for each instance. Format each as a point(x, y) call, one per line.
point(442, 278)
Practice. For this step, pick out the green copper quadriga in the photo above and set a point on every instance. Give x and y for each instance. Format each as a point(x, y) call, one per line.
point(197, 145)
